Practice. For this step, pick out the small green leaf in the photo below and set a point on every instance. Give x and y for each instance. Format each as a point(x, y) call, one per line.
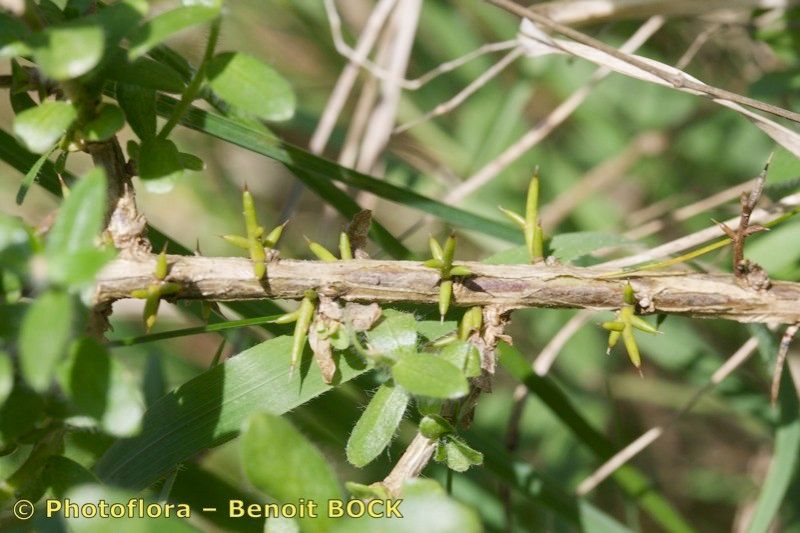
point(39, 128)
point(99, 387)
point(191, 162)
point(280, 462)
point(460, 456)
point(109, 120)
point(159, 159)
point(395, 335)
point(250, 86)
point(166, 25)
point(68, 51)
point(463, 355)
point(568, 246)
point(139, 104)
point(30, 177)
point(45, 332)
point(6, 376)
point(434, 426)
point(428, 375)
point(376, 427)
point(71, 253)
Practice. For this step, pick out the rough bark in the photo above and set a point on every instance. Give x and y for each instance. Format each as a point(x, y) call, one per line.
point(509, 286)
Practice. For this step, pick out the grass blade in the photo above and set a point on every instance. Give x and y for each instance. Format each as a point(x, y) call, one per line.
point(210, 409)
point(311, 165)
point(629, 478)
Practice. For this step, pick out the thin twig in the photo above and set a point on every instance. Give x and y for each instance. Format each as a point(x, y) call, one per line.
point(783, 351)
point(384, 114)
point(651, 435)
point(696, 45)
point(411, 463)
point(678, 80)
point(349, 74)
point(787, 204)
point(465, 93)
point(548, 124)
point(739, 235)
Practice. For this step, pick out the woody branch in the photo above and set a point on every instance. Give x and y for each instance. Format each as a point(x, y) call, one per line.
point(510, 286)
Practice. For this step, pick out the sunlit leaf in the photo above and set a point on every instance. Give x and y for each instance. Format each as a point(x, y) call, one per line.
point(68, 51)
point(281, 463)
point(166, 25)
point(376, 427)
point(251, 86)
point(395, 335)
point(428, 375)
point(40, 127)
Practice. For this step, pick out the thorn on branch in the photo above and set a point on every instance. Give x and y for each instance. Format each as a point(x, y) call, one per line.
point(750, 273)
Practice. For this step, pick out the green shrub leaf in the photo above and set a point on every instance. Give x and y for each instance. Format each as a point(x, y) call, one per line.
point(458, 455)
point(251, 86)
point(68, 51)
point(109, 120)
point(72, 257)
point(99, 387)
point(159, 159)
point(281, 463)
point(166, 25)
point(15, 243)
point(139, 104)
point(463, 355)
point(45, 332)
point(428, 375)
point(39, 128)
point(394, 336)
point(374, 430)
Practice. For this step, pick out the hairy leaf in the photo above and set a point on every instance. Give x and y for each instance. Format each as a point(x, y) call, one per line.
point(376, 427)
